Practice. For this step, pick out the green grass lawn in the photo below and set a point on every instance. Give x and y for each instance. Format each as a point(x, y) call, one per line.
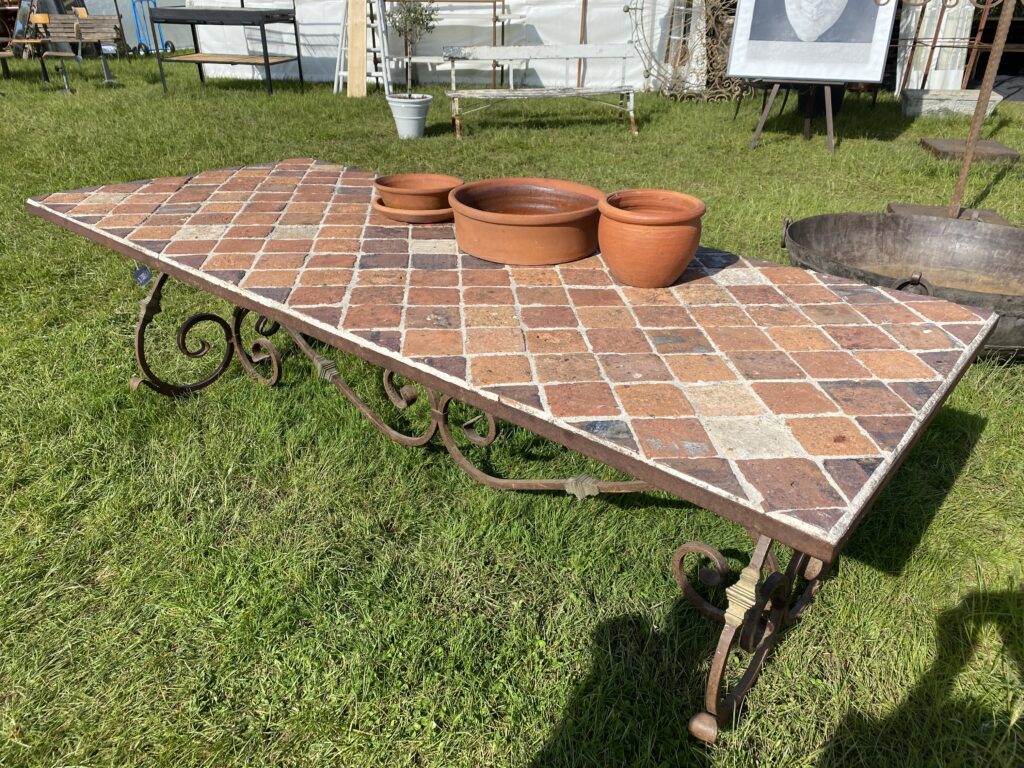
point(256, 577)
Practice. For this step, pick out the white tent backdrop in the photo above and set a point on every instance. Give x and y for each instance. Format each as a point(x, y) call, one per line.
point(554, 22)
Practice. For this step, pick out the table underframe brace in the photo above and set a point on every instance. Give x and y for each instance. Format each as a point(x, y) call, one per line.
point(808, 116)
point(761, 602)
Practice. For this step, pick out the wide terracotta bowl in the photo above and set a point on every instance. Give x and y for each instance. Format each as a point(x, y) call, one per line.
point(649, 236)
point(528, 222)
point(416, 191)
point(412, 217)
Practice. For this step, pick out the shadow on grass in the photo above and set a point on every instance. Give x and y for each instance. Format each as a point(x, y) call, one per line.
point(935, 725)
point(892, 529)
point(856, 120)
point(631, 710)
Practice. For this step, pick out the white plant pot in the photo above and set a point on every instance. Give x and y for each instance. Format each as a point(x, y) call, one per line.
point(410, 114)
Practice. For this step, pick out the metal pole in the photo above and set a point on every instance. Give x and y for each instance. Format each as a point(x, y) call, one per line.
point(987, 84)
point(969, 69)
point(583, 39)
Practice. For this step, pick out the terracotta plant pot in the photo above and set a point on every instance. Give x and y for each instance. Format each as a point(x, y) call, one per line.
point(412, 217)
point(416, 191)
point(528, 222)
point(649, 236)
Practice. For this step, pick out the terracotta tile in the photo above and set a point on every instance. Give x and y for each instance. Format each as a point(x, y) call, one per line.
point(699, 368)
point(281, 261)
point(887, 431)
point(490, 340)
point(768, 315)
point(944, 312)
point(690, 294)
point(391, 340)
point(895, 365)
point(535, 276)
point(653, 400)
point(965, 332)
point(851, 474)
point(618, 340)
point(230, 261)
point(943, 362)
point(757, 294)
point(790, 484)
point(373, 316)
point(567, 367)
point(323, 261)
point(490, 316)
point(453, 365)
point(520, 393)
point(436, 317)
point(434, 261)
point(793, 397)
point(381, 277)
point(327, 315)
point(583, 276)
point(383, 261)
point(317, 295)
point(650, 296)
point(635, 368)
point(663, 317)
point(568, 400)
point(724, 399)
point(809, 294)
point(713, 316)
point(883, 314)
point(915, 393)
point(605, 317)
point(377, 295)
point(860, 337)
point(766, 365)
point(714, 472)
point(500, 369)
point(325, 277)
point(549, 317)
point(485, 277)
point(672, 438)
point(433, 296)
point(794, 338)
point(488, 295)
point(201, 246)
point(611, 430)
point(830, 365)
point(542, 295)
point(595, 297)
point(740, 338)
point(922, 336)
point(561, 341)
point(432, 342)
point(864, 398)
point(831, 436)
point(788, 275)
point(272, 278)
point(234, 245)
point(329, 232)
point(434, 279)
point(679, 340)
point(833, 314)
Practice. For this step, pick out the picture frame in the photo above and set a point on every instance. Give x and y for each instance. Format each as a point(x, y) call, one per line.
point(819, 41)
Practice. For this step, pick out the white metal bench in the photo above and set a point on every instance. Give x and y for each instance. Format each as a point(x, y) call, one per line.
point(526, 53)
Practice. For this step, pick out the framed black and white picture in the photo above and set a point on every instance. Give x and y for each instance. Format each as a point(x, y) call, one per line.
point(841, 41)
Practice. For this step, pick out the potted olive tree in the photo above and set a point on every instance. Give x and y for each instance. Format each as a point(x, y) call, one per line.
point(412, 20)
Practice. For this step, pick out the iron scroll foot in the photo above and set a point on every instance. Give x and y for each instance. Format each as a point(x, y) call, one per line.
point(760, 604)
point(261, 351)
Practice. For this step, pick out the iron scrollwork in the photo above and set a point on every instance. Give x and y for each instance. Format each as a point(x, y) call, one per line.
point(760, 603)
point(261, 351)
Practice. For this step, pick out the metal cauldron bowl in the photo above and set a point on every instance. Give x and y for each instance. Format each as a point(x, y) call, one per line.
point(967, 262)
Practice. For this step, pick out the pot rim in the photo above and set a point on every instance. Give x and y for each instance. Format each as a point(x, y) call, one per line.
point(402, 98)
point(677, 207)
point(386, 184)
point(378, 205)
point(526, 219)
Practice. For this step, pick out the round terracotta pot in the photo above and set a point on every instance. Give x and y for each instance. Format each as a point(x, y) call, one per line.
point(649, 236)
point(416, 191)
point(528, 222)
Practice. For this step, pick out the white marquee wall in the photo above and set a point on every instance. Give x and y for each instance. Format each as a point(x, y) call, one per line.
point(549, 23)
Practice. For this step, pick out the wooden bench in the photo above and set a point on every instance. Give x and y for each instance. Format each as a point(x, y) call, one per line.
point(32, 38)
point(75, 31)
point(527, 53)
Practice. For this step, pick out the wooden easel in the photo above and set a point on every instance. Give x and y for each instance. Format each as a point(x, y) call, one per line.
point(829, 122)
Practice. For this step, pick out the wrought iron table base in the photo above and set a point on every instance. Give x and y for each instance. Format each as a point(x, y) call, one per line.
point(760, 603)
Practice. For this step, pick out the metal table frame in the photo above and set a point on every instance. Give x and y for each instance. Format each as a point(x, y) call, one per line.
point(242, 17)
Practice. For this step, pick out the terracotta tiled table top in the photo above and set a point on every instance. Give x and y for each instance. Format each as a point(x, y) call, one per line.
point(777, 397)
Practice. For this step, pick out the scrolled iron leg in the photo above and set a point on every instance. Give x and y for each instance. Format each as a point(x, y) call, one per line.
point(149, 308)
point(761, 602)
point(262, 350)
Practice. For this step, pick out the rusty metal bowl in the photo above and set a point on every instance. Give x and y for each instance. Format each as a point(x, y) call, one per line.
point(968, 262)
